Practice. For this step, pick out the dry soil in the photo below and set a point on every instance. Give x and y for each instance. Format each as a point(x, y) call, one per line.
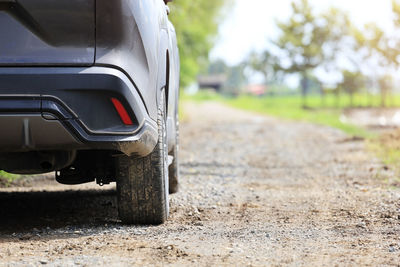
point(255, 191)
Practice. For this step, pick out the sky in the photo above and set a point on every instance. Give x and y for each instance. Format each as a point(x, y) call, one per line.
point(250, 23)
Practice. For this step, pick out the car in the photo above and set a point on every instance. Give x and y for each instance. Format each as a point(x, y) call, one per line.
point(89, 90)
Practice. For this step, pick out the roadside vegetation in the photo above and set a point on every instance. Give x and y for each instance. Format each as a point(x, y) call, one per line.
point(196, 24)
point(291, 107)
point(7, 178)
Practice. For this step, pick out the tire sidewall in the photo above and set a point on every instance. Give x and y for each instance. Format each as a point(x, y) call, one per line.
point(164, 141)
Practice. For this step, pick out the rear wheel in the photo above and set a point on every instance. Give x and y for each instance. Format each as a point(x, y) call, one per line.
point(142, 185)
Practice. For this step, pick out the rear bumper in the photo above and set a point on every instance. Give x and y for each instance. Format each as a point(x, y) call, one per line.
point(70, 108)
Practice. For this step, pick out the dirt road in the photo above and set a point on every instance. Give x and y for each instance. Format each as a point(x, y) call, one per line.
point(255, 192)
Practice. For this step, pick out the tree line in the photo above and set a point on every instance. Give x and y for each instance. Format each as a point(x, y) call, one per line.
point(310, 42)
point(196, 24)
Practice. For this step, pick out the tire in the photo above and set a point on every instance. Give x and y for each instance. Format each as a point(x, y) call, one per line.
point(142, 186)
point(173, 168)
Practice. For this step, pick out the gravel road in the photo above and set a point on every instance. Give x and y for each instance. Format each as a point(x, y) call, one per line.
point(255, 191)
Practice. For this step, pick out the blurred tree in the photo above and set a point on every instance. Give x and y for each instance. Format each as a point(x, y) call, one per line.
point(396, 12)
point(385, 85)
point(352, 82)
point(383, 51)
point(236, 79)
point(309, 40)
point(218, 67)
point(265, 63)
point(196, 24)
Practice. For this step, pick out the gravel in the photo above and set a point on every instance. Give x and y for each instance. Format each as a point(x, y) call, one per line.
point(255, 191)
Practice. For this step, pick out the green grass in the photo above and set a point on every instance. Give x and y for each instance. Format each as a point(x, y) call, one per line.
point(202, 96)
point(291, 107)
point(330, 101)
point(7, 178)
point(389, 156)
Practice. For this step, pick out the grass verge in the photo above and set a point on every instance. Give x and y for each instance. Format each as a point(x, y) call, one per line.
point(7, 178)
point(290, 108)
point(387, 147)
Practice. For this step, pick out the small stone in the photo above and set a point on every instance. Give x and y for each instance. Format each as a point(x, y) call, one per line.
point(392, 249)
point(386, 168)
point(25, 237)
point(43, 262)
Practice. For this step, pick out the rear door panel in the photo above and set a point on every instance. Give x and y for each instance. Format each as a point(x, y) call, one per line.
point(47, 32)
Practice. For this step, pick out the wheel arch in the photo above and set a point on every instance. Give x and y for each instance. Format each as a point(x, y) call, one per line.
point(163, 66)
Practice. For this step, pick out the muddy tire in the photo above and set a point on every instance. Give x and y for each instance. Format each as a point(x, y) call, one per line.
point(173, 168)
point(142, 185)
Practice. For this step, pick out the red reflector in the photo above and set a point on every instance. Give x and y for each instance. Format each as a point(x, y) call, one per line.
point(123, 114)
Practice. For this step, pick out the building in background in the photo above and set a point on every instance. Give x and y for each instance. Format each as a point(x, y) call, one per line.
point(216, 81)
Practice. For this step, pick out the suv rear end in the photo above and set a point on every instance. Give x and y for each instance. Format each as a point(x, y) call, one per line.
point(52, 97)
point(77, 87)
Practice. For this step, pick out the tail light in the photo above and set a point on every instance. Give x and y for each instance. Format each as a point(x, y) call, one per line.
point(123, 114)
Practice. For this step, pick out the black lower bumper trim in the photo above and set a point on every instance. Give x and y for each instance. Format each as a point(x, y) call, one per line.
point(45, 107)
